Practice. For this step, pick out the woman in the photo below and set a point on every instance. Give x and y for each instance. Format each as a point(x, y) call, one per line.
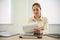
point(43, 27)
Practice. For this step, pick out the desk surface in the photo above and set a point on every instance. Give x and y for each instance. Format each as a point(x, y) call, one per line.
point(44, 38)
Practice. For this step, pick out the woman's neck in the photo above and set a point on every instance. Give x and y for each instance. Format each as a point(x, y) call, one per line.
point(37, 17)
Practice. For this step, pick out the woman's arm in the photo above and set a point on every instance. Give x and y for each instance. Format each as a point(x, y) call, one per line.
point(46, 29)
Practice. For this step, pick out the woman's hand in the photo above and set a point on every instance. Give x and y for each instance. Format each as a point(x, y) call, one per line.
point(38, 31)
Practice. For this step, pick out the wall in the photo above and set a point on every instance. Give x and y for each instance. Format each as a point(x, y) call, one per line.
point(19, 16)
point(5, 12)
point(54, 28)
point(49, 9)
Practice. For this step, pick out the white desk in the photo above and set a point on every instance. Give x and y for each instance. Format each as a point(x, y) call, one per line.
point(44, 38)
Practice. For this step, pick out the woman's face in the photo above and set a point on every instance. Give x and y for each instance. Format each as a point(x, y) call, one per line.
point(36, 10)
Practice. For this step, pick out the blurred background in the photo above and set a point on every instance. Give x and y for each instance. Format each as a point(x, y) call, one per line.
point(21, 10)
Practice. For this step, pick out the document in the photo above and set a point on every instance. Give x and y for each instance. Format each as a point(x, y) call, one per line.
point(29, 27)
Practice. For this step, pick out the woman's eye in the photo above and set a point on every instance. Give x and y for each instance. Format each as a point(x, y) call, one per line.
point(33, 9)
point(36, 9)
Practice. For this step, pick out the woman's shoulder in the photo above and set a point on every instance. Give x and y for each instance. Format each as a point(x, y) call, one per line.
point(44, 18)
point(30, 20)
